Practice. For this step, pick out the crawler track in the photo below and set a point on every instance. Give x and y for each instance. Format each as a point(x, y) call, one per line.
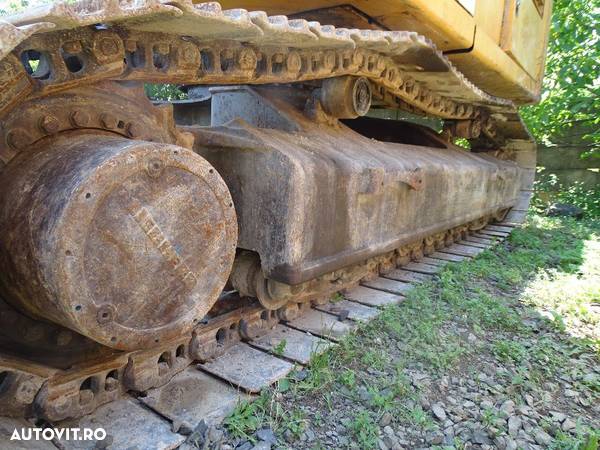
point(246, 365)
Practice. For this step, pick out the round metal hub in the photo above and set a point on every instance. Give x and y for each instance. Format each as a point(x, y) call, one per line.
point(133, 240)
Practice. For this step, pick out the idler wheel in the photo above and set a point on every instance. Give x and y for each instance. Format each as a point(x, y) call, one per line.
point(127, 242)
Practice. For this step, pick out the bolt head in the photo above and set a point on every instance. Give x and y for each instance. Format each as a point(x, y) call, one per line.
point(49, 124)
point(133, 130)
point(108, 46)
point(108, 121)
point(80, 118)
point(17, 138)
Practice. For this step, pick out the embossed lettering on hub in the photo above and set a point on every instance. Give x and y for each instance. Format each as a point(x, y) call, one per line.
point(146, 222)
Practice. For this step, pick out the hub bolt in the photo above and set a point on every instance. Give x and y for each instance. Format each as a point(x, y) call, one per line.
point(80, 118)
point(17, 138)
point(49, 124)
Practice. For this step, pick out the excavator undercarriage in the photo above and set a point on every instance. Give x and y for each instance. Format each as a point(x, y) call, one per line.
point(136, 240)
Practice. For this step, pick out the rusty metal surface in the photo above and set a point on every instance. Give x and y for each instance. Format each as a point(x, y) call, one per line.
point(407, 276)
point(322, 324)
point(8, 427)
point(292, 344)
point(387, 285)
point(351, 310)
point(372, 297)
point(422, 268)
point(448, 257)
point(119, 419)
point(406, 65)
point(192, 396)
point(132, 241)
point(248, 368)
point(329, 197)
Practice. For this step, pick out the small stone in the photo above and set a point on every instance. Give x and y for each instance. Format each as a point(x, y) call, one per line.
point(215, 434)
point(571, 393)
point(542, 438)
point(388, 430)
point(514, 425)
point(382, 445)
point(508, 407)
point(310, 435)
point(262, 445)
point(246, 445)
point(568, 425)
point(500, 442)
point(565, 210)
point(343, 315)
point(289, 436)
point(589, 378)
point(267, 435)
point(486, 404)
point(436, 438)
point(511, 444)
point(480, 437)
point(529, 400)
point(438, 412)
point(300, 375)
point(471, 338)
point(386, 419)
point(558, 416)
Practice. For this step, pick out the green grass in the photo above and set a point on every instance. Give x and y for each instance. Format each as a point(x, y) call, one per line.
point(364, 429)
point(547, 273)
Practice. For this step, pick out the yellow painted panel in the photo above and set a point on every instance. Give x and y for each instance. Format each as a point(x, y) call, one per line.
point(523, 35)
point(445, 22)
point(488, 18)
point(490, 68)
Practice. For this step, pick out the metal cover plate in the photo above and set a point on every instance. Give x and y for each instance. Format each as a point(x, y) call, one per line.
point(372, 297)
point(248, 368)
point(422, 268)
point(192, 396)
point(407, 276)
point(387, 285)
point(448, 257)
point(7, 427)
point(129, 424)
point(354, 311)
point(322, 324)
point(299, 346)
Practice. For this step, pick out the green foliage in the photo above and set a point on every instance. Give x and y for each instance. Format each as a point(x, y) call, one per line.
point(280, 348)
point(364, 430)
point(571, 90)
point(548, 190)
point(165, 92)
